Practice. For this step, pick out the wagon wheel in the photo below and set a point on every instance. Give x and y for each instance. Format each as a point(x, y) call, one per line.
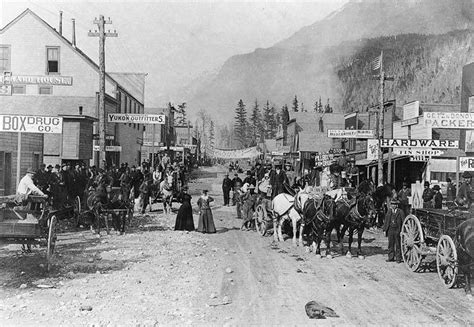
point(412, 240)
point(51, 240)
point(77, 209)
point(261, 220)
point(446, 261)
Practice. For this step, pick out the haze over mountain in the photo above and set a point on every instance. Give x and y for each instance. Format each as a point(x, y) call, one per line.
point(307, 63)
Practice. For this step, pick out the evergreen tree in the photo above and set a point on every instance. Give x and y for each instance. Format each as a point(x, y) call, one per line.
point(302, 107)
point(212, 143)
point(180, 117)
point(274, 121)
point(256, 125)
point(240, 124)
point(328, 108)
point(267, 120)
point(285, 118)
point(320, 106)
point(295, 104)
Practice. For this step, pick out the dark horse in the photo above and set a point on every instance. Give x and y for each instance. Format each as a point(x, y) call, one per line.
point(352, 217)
point(318, 218)
point(465, 244)
point(382, 196)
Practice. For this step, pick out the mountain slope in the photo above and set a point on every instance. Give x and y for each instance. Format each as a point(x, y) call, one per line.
point(307, 63)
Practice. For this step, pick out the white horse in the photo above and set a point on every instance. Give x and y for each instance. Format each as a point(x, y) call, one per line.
point(283, 206)
point(166, 190)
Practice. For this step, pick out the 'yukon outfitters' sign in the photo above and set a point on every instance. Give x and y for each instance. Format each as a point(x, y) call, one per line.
point(437, 144)
point(453, 120)
point(136, 118)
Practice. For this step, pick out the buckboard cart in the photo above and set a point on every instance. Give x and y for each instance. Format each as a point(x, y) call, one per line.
point(28, 223)
point(428, 232)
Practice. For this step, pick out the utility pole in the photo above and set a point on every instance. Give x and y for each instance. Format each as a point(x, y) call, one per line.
point(102, 34)
point(380, 123)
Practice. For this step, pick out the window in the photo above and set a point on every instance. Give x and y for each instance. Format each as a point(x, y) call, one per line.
point(45, 90)
point(19, 89)
point(4, 58)
point(52, 58)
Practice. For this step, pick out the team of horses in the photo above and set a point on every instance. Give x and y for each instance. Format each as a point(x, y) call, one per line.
point(317, 215)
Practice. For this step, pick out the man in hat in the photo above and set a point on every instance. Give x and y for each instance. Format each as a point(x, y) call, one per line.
point(342, 160)
point(278, 180)
point(464, 193)
point(250, 179)
point(438, 197)
point(392, 227)
point(249, 198)
point(236, 185)
point(427, 196)
point(41, 179)
point(403, 196)
point(27, 186)
point(450, 190)
point(226, 187)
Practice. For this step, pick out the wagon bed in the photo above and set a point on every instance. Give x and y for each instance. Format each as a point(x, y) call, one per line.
point(431, 232)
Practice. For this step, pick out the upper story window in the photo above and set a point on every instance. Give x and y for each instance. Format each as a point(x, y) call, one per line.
point(4, 58)
point(52, 58)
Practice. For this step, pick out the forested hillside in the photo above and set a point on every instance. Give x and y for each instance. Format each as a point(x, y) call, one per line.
point(425, 67)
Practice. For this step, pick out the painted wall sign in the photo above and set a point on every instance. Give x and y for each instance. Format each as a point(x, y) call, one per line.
point(40, 80)
point(466, 163)
point(417, 152)
point(453, 120)
point(31, 124)
point(394, 143)
point(351, 133)
point(136, 118)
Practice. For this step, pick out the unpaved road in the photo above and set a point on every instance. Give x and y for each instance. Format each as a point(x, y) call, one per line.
point(156, 276)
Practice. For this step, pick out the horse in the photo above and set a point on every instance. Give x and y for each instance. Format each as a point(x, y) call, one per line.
point(382, 196)
point(352, 217)
point(464, 240)
point(283, 207)
point(318, 217)
point(166, 190)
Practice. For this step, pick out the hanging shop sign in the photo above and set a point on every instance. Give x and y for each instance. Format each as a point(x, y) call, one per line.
point(323, 160)
point(437, 144)
point(136, 118)
point(409, 122)
point(351, 133)
point(109, 148)
point(39, 80)
point(453, 120)
point(466, 163)
point(31, 124)
point(417, 152)
point(372, 149)
point(411, 110)
point(419, 158)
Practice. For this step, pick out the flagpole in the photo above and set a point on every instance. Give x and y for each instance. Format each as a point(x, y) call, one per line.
point(380, 126)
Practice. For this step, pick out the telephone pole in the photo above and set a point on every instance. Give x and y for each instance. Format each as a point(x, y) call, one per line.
point(380, 124)
point(102, 34)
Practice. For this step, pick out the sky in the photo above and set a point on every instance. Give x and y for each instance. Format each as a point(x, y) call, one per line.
point(175, 42)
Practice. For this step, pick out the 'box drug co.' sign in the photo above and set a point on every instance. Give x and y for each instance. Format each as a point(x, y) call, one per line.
point(31, 124)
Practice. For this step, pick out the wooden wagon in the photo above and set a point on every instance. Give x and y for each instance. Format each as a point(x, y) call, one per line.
point(431, 232)
point(31, 222)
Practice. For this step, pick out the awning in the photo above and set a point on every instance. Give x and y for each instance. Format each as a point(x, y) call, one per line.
point(368, 162)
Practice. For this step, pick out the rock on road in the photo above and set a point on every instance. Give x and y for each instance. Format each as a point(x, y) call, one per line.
point(156, 276)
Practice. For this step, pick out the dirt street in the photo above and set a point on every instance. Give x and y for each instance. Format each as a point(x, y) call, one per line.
point(153, 275)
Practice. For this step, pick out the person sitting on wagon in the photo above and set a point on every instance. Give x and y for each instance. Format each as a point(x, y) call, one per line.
point(27, 187)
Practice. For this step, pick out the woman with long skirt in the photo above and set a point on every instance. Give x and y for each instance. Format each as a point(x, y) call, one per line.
point(206, 222)
point(184, 219)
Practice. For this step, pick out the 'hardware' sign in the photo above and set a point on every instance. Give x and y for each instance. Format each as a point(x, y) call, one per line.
point(31, 124)
point(454, 120)
point(351, 133)
point(444, 144)
point(136, 118)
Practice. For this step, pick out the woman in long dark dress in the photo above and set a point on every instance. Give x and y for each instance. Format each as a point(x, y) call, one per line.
point(206, 222)
point(184, 219)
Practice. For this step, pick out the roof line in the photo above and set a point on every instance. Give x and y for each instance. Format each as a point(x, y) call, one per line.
point(64, 40)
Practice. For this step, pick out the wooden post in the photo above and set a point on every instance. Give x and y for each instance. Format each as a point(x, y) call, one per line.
point(153, 149)
point(389, 164)
point(457, 172)
point(18, 160)
point(102, 35)
point(380, 121)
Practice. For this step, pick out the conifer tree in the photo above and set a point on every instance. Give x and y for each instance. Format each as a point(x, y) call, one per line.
point(255, 124)
point(212, 135)
point(240, 124)
point(295, 104)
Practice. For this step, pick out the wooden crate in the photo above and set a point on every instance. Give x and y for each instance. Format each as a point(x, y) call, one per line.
point(19, 228)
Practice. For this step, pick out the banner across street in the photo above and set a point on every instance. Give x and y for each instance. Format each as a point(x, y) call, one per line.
point(351, 133)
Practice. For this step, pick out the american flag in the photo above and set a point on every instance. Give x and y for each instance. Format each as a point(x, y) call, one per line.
point(375, 64)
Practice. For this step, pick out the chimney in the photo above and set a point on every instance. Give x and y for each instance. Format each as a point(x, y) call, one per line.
point(61, 22)
point(73, 32)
